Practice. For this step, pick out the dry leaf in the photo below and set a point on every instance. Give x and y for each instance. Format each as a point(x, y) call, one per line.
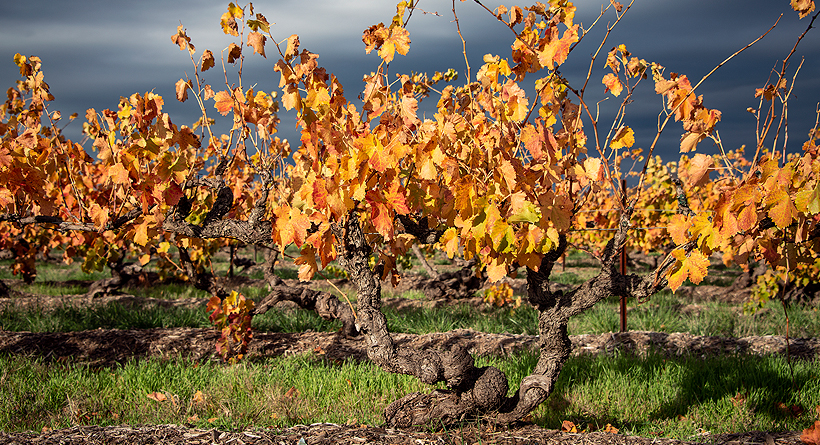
point(158, 396)
point(811, 435)
point(568, 427)
point(198, 398)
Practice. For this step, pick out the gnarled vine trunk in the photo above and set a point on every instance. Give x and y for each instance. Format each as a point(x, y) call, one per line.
point(482, 391)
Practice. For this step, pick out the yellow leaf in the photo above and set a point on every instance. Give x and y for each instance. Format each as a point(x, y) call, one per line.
point(399, 41)
point(450, 242)
point(145, 259)
point(496, 271)
point(624, 138)
point(808, 200)
point(692, 267)
point(141, 234)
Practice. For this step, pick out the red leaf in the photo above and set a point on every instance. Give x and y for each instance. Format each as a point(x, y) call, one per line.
point(172, 194)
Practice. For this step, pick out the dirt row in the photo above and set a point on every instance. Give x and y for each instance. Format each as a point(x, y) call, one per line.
point(331, 434)
point(106, 347)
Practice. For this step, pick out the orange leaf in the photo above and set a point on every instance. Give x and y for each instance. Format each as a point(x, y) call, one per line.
point(747, 218)
point(811, 435)
point(99, 215)
point(293, 47)
point(320, 194)
point(307, 263)
point(257, 41)
point(612, 84)
point(118, 174)
point(562, 49)
point(381, 216)
point(568, 427)
point(182, 89)
point(158, 396)
point(692, 267)
point(678, 229)
point(690, 141)
point(496, 270)
point(207, 60)
point(224, 102)
point(783, 212)
point(698, 168)
point(395, 197)
point(409, 107)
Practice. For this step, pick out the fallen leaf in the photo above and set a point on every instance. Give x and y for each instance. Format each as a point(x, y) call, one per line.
point(568, 427)
point(158, 396)
point(811, 435)
point(611, 429)
point(198, 398)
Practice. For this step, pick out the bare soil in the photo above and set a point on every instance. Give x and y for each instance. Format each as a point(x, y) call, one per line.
point(327, 434)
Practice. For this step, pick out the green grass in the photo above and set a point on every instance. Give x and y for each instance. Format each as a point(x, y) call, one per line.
point(35, 394)
point(664, 313)
point(167, 291)
point(109, 316)
point(54, 271)
point(677, 397)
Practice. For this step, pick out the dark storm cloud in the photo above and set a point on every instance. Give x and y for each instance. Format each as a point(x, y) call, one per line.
point(96, 51)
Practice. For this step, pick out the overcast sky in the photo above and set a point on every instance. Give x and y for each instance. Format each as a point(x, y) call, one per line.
point(95, 51)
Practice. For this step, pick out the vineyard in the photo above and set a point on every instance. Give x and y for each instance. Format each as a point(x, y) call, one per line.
point(426, 246)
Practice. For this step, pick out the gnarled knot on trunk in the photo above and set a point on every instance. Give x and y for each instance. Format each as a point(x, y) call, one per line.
point(486, 394)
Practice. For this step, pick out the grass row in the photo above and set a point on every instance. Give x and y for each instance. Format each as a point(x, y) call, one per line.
point(665, 313)
point(653, 396)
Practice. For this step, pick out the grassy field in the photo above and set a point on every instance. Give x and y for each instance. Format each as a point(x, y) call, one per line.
point(686, 398)
point(680, 398)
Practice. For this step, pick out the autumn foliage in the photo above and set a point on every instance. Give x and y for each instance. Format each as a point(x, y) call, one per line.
point(497, 174)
